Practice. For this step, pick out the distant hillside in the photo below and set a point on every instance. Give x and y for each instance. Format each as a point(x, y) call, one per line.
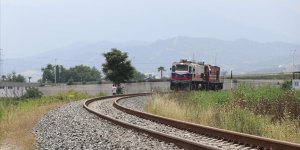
point(242, 56)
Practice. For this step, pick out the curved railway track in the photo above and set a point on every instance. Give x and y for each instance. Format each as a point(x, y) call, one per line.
point(213, 138)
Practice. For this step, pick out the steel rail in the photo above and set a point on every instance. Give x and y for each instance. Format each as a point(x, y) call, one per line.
point(236, 137)
point(161, 136)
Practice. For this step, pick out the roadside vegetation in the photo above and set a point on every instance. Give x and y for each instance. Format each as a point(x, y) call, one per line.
point(263, 111)
point(280, 76)
point(19, 115)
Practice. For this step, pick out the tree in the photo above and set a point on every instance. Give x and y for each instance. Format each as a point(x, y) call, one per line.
point(61, 74)
point(117, 68)
point(13, 77)
point(161, 69)
point(83, 74)
point(3, 77)
point(79, 73)
point(48, 73)
point(137, 76)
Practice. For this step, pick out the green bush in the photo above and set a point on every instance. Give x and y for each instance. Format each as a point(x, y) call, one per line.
point(70, 81)
point(286, 85)
point(119, 90)
point(32, 92)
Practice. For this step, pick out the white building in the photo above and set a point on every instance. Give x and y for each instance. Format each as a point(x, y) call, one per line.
point(149, 76)
point(12, 89)
point(296, 80)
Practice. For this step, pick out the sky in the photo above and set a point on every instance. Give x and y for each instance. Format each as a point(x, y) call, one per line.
point(29, 27)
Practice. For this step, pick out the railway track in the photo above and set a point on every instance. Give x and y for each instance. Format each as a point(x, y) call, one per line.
point(182, 134)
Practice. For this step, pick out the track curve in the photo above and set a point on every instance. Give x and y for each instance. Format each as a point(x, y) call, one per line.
point(90, 106)
point(244, 140)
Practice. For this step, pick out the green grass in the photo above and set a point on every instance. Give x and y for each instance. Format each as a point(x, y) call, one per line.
point(263, 111)
point(10, 105)
point(297, 95)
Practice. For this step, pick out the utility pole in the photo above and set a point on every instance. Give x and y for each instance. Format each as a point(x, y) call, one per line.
point(29, 79)
point(294, 60)
point(194, 57)
point(216, 58)
point(1, 69)
point(55, 72)
point(231, 79)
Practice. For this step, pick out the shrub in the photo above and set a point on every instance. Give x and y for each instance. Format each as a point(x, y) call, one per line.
point(32, 92)
point(70, 81)
point(119, 90)
point(286, 85)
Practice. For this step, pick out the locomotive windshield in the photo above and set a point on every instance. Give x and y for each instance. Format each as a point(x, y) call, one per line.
point(182, 67)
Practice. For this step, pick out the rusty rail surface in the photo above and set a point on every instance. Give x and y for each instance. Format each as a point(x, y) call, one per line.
point(236, 137)
point(161, 136)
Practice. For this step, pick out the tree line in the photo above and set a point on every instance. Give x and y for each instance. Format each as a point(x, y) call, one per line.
point(60, 74)
point(117, 68)
point(13, 77)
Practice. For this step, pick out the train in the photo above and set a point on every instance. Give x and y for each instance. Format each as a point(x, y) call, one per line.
point(190, 75)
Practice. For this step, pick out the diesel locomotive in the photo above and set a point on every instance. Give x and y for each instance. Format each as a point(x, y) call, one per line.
point(189, 75)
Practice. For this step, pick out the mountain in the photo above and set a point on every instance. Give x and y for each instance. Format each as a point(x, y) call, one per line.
point(241, 56)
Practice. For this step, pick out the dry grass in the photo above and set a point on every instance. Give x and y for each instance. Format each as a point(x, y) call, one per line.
point(287, 131)
point(16, 130)
point(19, 116)
point(226, 116)
point(158, 104)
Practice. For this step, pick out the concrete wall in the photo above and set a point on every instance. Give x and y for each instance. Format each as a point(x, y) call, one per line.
point(127, 88)
point(141, 87)
point(95, 89)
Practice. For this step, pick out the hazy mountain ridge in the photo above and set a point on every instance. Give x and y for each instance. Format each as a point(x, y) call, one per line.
point(241, 55)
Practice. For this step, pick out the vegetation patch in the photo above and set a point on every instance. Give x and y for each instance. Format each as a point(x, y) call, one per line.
point(19, 116)
point(263, 111)
point(280, 76)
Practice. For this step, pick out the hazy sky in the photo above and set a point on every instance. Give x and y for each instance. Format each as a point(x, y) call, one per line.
point(34, 26)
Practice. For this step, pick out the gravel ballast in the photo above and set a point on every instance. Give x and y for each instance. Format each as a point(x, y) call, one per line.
point(73, 127)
